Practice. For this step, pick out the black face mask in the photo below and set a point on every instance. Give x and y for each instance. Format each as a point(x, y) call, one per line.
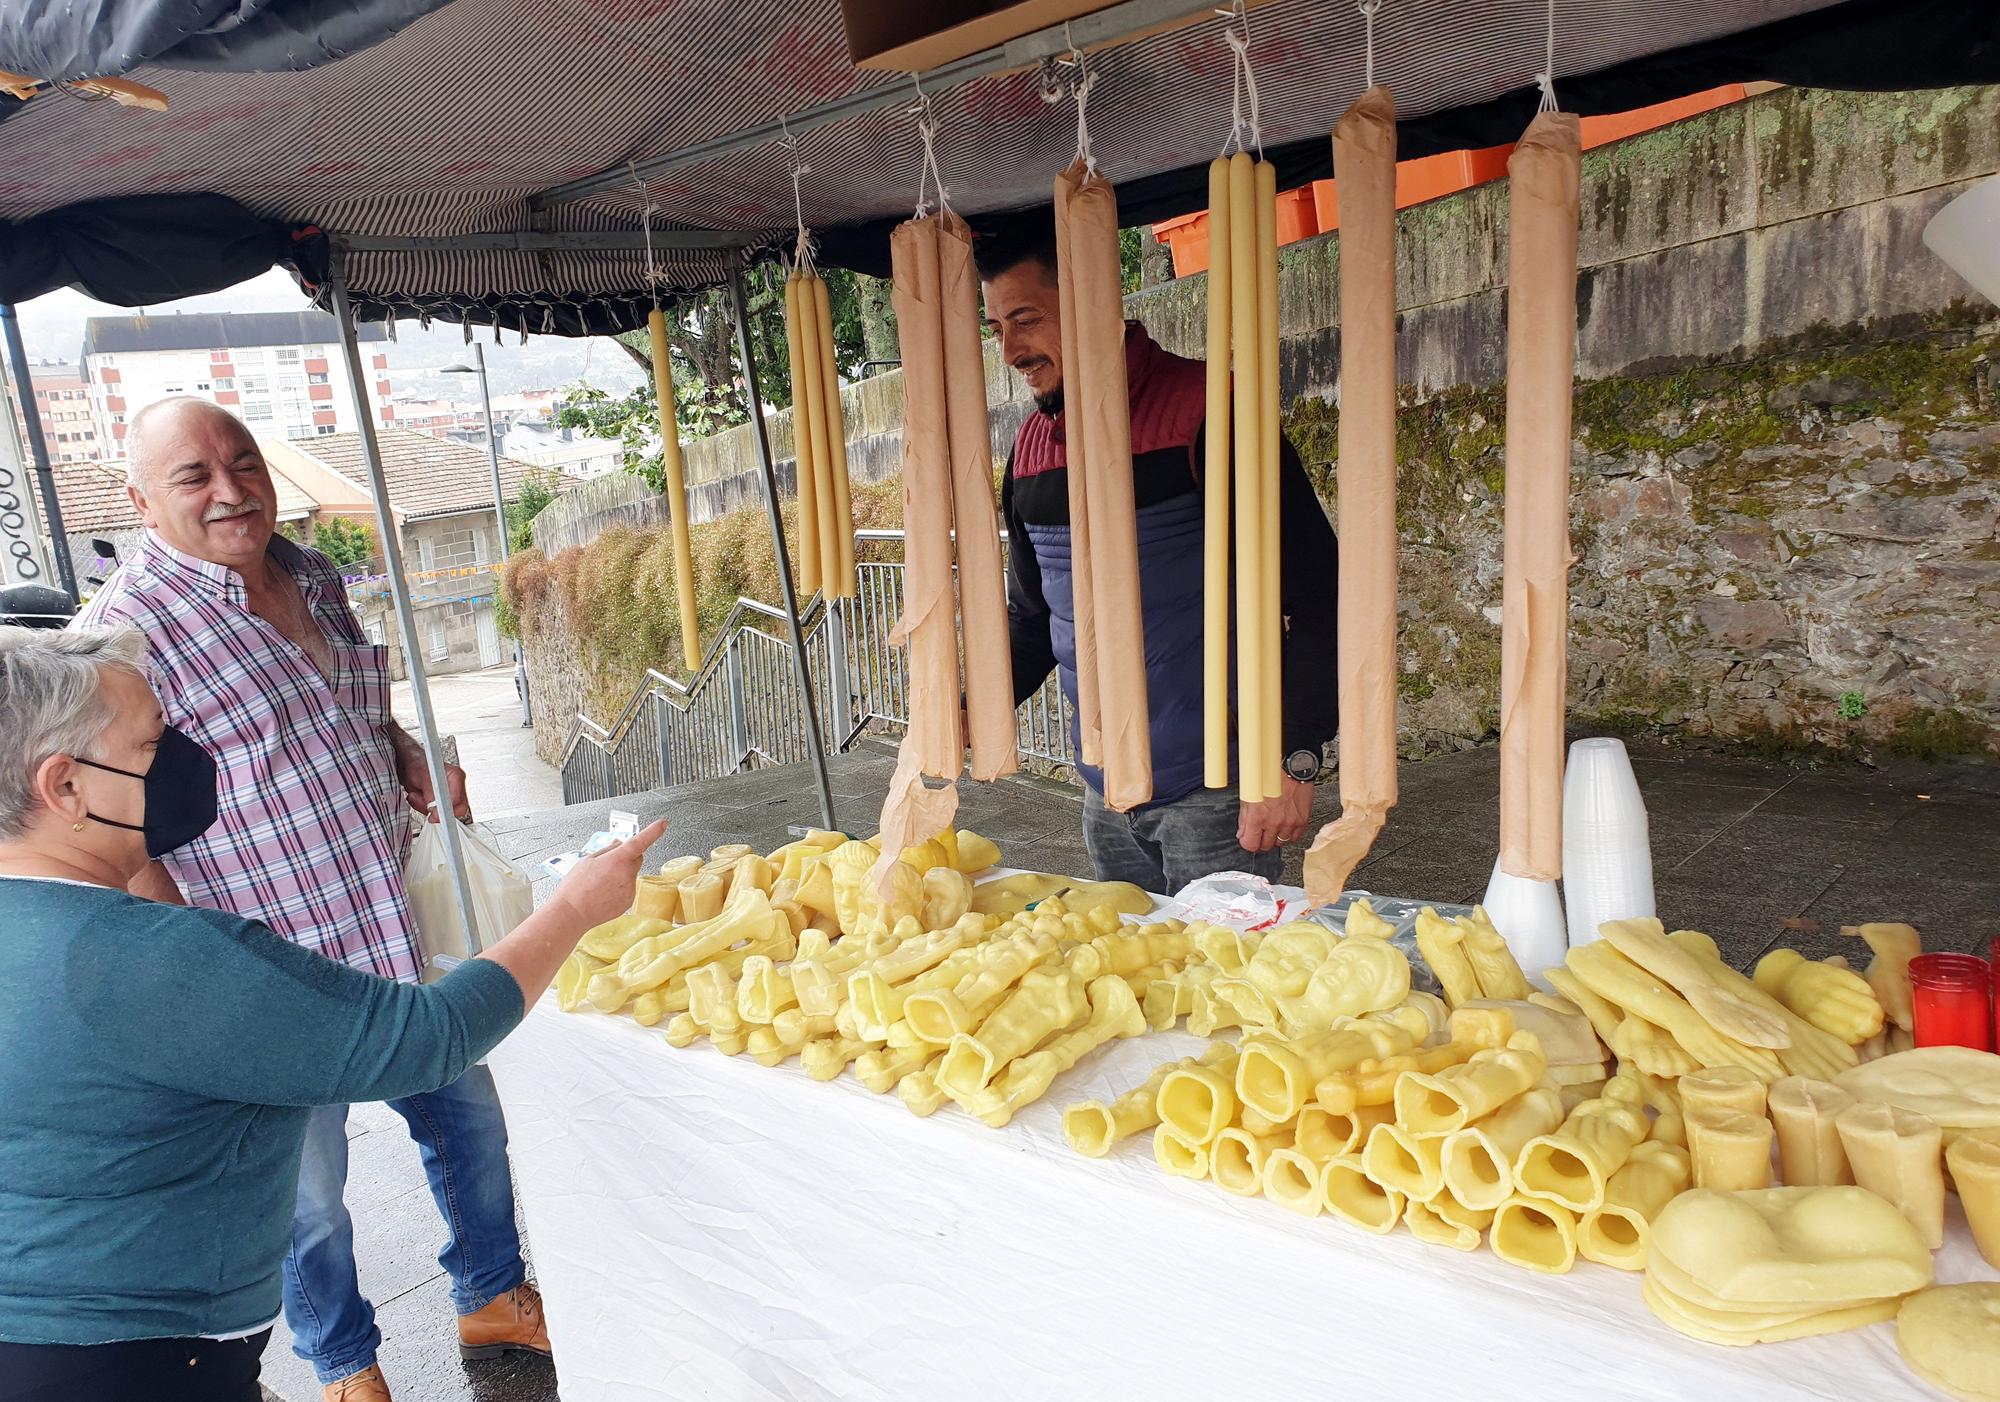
point(180, 794)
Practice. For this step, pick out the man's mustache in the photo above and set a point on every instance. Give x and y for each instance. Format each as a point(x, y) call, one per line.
point(1035, 362)
point(249, 506)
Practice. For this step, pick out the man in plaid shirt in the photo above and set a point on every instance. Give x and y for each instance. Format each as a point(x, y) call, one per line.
point(256, 654)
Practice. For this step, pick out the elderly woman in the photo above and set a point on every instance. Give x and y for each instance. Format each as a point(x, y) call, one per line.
point(157, 1063)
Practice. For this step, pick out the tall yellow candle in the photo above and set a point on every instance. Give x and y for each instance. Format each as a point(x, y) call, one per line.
point(1244, 306)
point(1271, 616)
point(810, 390)
point(1215, 489)
point(802, 440)
point(670, 457)
point(841, 584)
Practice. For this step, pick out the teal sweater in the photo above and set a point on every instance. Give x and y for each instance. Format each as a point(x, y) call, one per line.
point(157, 1065)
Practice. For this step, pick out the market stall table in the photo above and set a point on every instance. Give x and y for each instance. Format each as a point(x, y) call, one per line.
point(704, 1226)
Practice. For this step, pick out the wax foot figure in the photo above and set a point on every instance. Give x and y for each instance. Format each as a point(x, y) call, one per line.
point(1186, 831)
point(257, 655)
point(159, 1064)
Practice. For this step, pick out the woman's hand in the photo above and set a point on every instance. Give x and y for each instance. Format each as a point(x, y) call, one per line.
point(599, 887)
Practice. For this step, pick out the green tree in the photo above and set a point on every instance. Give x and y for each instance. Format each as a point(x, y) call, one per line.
point(343, 542)
point(708, 387)
point(536, 493)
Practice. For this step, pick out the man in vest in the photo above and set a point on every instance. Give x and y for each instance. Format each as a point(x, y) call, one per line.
point(1187, 831)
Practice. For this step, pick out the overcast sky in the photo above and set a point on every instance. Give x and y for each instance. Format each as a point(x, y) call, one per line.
point(52, 329)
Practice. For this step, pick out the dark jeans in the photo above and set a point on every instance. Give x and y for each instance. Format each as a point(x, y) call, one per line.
point(1166, 845)
point(158, 1370)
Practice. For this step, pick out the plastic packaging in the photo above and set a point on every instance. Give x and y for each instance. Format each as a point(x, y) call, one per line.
point(502, 895)
point(1607, 851)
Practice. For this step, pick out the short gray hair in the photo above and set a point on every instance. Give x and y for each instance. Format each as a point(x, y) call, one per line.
point(52, 703)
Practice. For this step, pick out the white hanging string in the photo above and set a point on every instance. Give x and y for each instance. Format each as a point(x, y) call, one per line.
point(1084, 81)
point(804, 249)
point(1546, 79)
point(1368, 10)
point(1246, 129)
point(646, 217)
point(929, 177)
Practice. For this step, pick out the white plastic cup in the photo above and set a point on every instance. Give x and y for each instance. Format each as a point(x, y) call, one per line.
point(1529, 916)
point(1607, 843)
point(1966, 234)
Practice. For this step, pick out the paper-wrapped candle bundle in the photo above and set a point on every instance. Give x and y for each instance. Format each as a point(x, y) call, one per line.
point(1541, 362)
point(1364, 158)
point(1104, 532)
point(928, 624)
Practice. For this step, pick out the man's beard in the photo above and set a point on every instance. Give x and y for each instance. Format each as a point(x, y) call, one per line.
point(1050, 403)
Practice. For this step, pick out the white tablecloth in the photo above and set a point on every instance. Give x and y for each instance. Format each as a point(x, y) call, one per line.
point(707, 1228)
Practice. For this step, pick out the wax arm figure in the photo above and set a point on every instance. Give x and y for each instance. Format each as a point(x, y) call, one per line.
point(255, 653)
point(1187, 831)
point(150, 1123)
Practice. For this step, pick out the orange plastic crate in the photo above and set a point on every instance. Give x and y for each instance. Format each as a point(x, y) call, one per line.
point(1187, 237)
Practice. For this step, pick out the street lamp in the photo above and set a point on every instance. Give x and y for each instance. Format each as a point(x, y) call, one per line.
point(478, 367)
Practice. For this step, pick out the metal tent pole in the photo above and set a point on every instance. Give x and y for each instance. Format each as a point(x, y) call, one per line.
point(399, 590)
point(739, 305)
point(500, 515)
point(38, 447)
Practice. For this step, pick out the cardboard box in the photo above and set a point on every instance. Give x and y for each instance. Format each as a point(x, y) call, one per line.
point(906, 38)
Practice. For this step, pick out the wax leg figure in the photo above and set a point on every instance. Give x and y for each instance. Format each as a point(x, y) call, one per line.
point(1186, 831)
point(257, 655)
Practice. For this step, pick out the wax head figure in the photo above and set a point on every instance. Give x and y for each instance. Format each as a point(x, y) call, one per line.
point(1187, 831)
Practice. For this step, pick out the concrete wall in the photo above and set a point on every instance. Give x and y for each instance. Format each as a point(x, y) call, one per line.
point(449, 605)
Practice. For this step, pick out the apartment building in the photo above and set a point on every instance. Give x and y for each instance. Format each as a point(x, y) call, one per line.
point(62, 403)
point(280, 372)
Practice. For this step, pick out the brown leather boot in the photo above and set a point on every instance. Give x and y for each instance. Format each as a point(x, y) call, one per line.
point(365, 1386)
point(514, 1321)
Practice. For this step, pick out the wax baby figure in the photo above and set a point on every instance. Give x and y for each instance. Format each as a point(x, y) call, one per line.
point(1187, 831)
point(256, 654)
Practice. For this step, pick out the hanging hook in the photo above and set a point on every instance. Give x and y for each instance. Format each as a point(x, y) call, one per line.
point(803, 250)
point(1244, 132)
point(1369, 9)
point(1546, 79)
point(928, 172)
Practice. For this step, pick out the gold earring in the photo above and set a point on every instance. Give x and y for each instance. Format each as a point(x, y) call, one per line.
point(76, 827)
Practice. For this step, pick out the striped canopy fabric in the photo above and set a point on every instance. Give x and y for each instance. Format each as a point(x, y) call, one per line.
point(456, 122)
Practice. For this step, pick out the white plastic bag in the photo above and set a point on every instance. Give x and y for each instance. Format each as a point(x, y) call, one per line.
point(502, 895)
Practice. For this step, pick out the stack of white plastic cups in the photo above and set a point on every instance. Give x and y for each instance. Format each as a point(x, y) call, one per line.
point(1529, 915)
point(1607, 851)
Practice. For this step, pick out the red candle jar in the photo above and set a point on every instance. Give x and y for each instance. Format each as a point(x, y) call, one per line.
point(1953, 1000)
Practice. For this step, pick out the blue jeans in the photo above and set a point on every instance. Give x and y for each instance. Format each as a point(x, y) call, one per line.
point(1164, 846)
point(463, 1141)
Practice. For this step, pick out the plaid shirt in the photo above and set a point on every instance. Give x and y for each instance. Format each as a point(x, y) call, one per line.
point(312, 821)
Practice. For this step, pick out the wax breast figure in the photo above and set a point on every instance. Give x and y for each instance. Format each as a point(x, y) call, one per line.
point(1186, 831)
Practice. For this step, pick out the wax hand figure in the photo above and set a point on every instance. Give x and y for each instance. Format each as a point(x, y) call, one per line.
point(256, 654)
point(157, 1063)
point(1186, 831)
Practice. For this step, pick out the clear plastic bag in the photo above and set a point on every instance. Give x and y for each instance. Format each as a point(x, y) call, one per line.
point(502, 895)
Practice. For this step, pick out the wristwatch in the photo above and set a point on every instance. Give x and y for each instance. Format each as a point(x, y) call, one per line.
point(1304, 765)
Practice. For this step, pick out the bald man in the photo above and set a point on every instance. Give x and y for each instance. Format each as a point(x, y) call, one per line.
point(257, 655)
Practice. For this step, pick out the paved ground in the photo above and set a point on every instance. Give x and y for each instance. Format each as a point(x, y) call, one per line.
point(498, 752)
point(1756, 852)
point(397, 1231)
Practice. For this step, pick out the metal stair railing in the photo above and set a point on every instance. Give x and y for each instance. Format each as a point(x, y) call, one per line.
point(743, 709)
